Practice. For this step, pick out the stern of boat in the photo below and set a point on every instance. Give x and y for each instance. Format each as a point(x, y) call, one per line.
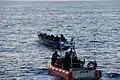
point(86, 74)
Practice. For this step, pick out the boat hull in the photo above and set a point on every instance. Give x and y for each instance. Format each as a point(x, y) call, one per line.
point(54, 44)
point(75, 74)
point(86, 74)
point(55, 71)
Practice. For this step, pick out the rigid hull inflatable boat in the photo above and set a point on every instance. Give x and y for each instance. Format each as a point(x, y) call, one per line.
point(69, 67)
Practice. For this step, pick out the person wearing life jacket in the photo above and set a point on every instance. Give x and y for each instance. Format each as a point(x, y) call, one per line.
point(52, 37)
point(81, 63)
point(92, 65)
point(57, 39)
point(54, 57)
point(58, 62)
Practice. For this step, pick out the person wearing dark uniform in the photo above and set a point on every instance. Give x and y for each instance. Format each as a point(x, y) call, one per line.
point(67, 61)
point(62, 38)
point(54, 57)
point(57, 39)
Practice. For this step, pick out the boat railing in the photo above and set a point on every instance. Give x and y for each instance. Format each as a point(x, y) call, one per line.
point(82, 66)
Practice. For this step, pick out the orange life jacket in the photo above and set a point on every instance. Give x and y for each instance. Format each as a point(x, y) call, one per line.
point(58, 62)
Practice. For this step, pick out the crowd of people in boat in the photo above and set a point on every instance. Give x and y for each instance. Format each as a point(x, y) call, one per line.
point(52, 37)
point(66, 61)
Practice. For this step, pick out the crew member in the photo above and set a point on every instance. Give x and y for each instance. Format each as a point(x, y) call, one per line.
point(57, 39)
point(67, 61)
point(54, 57)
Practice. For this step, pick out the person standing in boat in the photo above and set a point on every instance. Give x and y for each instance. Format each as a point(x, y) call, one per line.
point(54, 57)
point(67, 61)
point(63, 38)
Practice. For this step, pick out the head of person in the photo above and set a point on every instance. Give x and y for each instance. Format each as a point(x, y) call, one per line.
point(61, 35)
point(66, 54)
point(55, 52)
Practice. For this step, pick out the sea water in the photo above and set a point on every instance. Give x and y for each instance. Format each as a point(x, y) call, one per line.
point(94, 24)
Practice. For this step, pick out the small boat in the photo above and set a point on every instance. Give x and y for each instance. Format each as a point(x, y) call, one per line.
point(76, 70)
point(53, 42)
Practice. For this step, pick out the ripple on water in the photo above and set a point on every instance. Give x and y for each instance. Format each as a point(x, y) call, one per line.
point(20, 22)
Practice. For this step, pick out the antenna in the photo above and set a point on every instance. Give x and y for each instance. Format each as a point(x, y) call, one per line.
point(94, 45)
point(60, 48)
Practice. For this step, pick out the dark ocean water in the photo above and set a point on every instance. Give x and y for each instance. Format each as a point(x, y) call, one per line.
point(23, 58)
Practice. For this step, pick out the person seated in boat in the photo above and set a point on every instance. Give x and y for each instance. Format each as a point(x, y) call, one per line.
point(63, 38)
point(71, 52)
point(57, 39)
point(67, 61)
point(47, 37)
point(52, 37)
point(75, 63)
point(54, 57)
point(44, 35)
point(81, 63)
point(39, 34)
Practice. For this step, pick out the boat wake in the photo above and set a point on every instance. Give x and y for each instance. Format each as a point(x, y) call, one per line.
point(37, 71)
point(111, 76)
point(42, 74)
